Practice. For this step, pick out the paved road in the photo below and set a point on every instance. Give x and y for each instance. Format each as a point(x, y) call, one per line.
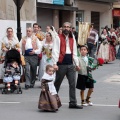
point(105, 99)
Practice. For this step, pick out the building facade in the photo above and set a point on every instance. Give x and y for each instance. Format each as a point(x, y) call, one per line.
point(8, 15)
point(116, 14)
point(98, 13)
point(56, 12)
point(51, 13)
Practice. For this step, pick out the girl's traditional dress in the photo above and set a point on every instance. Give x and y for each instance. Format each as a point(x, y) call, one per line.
point(9, 44)
point(49, 99)
point(46, 58)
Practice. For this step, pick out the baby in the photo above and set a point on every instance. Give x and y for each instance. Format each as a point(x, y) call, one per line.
point(12, 73)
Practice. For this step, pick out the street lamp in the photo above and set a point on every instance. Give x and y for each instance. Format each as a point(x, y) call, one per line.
point(19, 4)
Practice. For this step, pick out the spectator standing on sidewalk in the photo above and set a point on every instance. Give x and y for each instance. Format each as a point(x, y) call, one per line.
point(31, 47)
point(75, 33)
point(37, 32)
point(92, 41)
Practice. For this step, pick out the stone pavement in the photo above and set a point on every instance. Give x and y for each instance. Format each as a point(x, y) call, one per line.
point(105, 98)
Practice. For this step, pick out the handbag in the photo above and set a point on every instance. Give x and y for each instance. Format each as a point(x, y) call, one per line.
point(40, 56)
point(23, 60)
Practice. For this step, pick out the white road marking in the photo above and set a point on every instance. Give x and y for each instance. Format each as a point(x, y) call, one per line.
point(103, 105)
point(9, 102)
point(99, 105)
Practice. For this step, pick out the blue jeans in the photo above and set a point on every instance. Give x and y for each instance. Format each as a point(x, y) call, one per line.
point(91, 49)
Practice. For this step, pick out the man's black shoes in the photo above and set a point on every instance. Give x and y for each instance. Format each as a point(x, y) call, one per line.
point(75, 106)
point(27, 87)
point(31, 86)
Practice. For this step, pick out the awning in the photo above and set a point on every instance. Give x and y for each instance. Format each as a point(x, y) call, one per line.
point(56, 7)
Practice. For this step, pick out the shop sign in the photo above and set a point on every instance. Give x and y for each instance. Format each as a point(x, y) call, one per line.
point(57, 2)
point(116, 13)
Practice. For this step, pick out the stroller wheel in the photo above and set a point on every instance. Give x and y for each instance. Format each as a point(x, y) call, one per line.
point(12, 91)
point(6, 91)
point(17, 91)
point(3, 91)
point(20, 91)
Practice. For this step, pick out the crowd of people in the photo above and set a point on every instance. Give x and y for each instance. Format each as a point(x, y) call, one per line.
point(56, 55)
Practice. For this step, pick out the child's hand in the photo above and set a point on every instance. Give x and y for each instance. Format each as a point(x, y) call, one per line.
point(43, 90)
point(17, 66)
point(77, 68)
point(5, 49)
point(55, 67)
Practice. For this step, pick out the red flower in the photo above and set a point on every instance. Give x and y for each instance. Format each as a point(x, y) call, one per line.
point(100, 61)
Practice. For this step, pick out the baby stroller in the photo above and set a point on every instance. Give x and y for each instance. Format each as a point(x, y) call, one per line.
point(12, 55)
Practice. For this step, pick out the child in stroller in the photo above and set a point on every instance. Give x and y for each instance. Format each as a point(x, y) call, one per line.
point(12, 72)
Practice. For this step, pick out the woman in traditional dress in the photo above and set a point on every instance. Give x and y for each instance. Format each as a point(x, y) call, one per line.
point(10, 41)
point(103, 51)
point(46, 54)
point(113, 42)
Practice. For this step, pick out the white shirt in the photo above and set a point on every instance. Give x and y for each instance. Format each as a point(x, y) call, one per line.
point(85, 58)
point(28, 45)
point(96, 38)
point(68, 51)
point(50, 84)
point(56, 51)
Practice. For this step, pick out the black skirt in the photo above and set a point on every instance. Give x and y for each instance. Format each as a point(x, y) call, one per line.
point(82, 82)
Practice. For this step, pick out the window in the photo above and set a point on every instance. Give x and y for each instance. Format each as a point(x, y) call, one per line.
point(28, 25)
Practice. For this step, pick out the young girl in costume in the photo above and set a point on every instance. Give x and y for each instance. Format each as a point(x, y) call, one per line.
point(85, 79)
point(49, 100)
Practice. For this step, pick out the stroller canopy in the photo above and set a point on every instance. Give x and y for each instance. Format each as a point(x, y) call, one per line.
point(12, 55)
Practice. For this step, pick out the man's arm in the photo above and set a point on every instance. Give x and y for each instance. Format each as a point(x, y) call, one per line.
point(39, 45)
point(96, 39)
point(75, 57)
point(56, 50)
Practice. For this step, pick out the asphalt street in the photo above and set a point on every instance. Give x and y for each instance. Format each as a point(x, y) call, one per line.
point(105, 99)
